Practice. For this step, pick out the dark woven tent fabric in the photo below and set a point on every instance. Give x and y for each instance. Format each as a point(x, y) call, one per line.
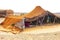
point(47, 18)
point(2, 13)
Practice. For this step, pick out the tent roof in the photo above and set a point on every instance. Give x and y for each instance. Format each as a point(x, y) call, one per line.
point(57, 14)
point(35, 12)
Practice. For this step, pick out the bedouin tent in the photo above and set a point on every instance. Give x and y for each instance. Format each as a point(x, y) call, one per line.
point(39, 16)
point(36, 17)
point(4, 13)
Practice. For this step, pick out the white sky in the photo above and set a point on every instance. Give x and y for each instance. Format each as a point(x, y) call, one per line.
point(29, 5)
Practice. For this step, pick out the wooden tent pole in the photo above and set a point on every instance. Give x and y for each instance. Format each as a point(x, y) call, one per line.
point(37, 21)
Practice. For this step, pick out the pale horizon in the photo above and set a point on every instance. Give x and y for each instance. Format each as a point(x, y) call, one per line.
point(29, 5)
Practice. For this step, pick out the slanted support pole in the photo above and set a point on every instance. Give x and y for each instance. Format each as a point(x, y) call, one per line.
point(54, 20)
point(42, 20)
point(39, 21)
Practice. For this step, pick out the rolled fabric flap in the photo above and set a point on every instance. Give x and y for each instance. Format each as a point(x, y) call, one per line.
point(20, 24)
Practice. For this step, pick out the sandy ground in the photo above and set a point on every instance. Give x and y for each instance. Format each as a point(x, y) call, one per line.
point(36, 33)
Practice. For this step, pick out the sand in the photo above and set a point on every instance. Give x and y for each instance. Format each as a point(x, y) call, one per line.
point(37, 33)
point(42, 36)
